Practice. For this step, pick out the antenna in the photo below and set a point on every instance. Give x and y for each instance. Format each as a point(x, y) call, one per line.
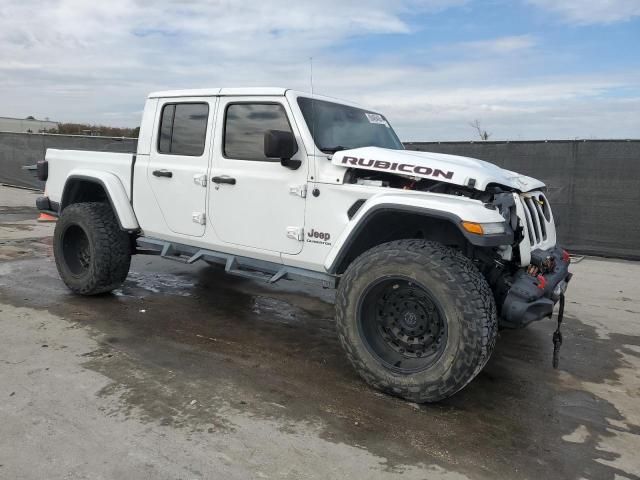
point(311, 73)
point(313, 108)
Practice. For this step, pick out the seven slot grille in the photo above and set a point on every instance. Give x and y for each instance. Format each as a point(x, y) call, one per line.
point(537, 215)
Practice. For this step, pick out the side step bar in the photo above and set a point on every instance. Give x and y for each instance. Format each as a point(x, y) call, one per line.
point(269, 272)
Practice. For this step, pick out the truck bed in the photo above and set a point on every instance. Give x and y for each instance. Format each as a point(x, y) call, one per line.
point(66, 163)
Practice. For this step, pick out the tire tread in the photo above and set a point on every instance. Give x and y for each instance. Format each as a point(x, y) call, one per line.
point(473, 298)
point(111, 246)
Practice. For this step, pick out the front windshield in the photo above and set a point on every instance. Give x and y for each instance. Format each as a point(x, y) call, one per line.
point(339, 127)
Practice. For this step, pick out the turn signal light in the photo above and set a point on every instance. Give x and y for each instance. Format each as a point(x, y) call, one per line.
point(492, 228)
point(472, 227)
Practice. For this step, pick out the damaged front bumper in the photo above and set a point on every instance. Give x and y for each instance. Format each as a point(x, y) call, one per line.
point(532, 297)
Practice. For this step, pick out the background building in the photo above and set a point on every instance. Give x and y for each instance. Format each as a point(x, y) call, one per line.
point(26, 125)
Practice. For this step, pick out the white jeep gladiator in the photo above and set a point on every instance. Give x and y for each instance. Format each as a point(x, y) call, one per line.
point(429, 253)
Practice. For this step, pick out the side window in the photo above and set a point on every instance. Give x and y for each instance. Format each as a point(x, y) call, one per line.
point(245, 126)
point(183, 128)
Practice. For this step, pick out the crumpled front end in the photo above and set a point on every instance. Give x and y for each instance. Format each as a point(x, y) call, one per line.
point(530, 292)
point(535, 290)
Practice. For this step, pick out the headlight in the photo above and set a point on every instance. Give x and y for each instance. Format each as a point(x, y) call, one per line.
point(494, 228)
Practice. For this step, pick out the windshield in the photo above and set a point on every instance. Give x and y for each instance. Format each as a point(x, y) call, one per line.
point(339, 127)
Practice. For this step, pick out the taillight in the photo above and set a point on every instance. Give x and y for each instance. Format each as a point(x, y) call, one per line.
point(42, 169)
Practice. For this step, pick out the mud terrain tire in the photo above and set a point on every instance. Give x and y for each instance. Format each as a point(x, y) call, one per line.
point(92, 253)
point(417, 319)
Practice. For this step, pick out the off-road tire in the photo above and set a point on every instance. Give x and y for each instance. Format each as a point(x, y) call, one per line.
point(107, 249)
point(465, 299)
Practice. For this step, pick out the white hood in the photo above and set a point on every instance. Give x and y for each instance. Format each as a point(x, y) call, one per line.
point(434, 166)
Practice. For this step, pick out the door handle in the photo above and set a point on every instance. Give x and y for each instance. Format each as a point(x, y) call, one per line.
point(225, 179)
point(162, 173)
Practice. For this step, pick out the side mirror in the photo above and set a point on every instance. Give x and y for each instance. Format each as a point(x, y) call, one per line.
point(281, 144)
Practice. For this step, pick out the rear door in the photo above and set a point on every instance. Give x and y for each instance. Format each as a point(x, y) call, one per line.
point(255, 201)
point(179, 160)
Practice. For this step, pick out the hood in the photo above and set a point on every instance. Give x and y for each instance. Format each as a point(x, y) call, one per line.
point(464, 171)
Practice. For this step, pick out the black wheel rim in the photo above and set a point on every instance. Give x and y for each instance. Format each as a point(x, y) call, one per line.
point(76, 250)
point(402, 325)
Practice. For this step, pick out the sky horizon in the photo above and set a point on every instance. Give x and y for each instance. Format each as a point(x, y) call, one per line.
point(525, 69)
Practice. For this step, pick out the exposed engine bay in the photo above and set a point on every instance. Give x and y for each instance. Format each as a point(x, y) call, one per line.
point(403, 182)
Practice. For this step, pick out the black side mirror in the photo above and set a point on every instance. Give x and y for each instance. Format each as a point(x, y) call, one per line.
point(281, 144)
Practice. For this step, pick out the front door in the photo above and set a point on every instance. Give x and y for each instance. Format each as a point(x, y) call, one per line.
point(255, 201)
point(178, 164)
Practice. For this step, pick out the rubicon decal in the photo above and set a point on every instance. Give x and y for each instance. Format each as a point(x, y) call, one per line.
point(313, 236)
point(397, 167)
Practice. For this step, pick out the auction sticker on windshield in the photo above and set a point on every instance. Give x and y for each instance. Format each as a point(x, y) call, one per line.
point(376, 118)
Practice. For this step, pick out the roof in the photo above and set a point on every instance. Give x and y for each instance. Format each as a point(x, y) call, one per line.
point(212, 92)
point(244, 91)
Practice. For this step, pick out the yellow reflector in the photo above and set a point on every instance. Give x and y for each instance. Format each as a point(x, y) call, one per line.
point(472, 227)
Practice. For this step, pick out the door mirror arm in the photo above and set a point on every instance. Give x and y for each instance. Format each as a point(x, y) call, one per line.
point(290, 163)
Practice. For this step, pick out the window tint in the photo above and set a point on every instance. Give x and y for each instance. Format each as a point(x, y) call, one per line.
point(183, 128)
point(340, 127)
point(166, 123)
point(245, 126)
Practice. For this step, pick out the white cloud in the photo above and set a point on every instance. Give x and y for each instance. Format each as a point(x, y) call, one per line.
point(591, 12)
point(514, 44)
point(501, 45)
point(73, 60)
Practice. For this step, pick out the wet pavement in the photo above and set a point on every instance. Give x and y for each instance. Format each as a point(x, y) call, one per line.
point(186, 372)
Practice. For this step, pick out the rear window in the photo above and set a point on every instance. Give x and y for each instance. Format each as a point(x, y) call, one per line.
point(183, 129)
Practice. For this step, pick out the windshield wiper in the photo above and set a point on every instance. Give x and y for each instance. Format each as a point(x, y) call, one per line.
point(334, 149)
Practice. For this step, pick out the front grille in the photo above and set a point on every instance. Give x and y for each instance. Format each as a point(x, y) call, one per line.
point(538, 220)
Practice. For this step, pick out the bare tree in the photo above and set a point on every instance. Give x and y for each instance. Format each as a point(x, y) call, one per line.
point(484, 135)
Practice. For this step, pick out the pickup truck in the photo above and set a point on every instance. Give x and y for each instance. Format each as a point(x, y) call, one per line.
point(429, 254)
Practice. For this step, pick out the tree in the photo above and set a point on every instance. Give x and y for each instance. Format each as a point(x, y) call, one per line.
point(484, 135)
point(94, 130)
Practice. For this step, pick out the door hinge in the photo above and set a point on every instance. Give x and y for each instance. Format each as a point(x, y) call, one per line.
point(295, 233)
point(199, 217)
point(200, 179)
point(300, 190)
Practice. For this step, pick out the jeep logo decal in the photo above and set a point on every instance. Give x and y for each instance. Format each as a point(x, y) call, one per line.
point(313, 236)
point(397, 167)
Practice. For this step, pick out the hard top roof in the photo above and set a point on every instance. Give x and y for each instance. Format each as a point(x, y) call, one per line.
point(245, 91)
point(212, 92)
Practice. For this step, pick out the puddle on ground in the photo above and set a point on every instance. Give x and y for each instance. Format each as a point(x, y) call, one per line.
point(278, 308)
point(275, 355)
point(24, 248)
point(165, 283)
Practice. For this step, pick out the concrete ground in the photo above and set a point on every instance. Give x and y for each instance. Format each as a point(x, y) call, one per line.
point(185, 373)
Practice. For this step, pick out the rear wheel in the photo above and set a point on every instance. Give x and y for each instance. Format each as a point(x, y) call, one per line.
point(92, 253)
point(416, 319)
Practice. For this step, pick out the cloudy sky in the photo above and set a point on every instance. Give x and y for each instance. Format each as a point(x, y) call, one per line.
point(526, 69)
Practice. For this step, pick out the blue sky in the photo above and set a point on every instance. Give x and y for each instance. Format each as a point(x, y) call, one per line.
point(526, 69)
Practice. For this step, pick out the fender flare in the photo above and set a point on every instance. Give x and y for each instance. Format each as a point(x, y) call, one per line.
point(474, 211)
point(114, 190)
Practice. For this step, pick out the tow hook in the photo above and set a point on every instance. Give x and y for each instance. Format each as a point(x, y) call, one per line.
point(557, 335)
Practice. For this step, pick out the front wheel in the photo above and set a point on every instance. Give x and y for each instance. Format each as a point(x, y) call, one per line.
point(92, 253)
point(416, 319)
